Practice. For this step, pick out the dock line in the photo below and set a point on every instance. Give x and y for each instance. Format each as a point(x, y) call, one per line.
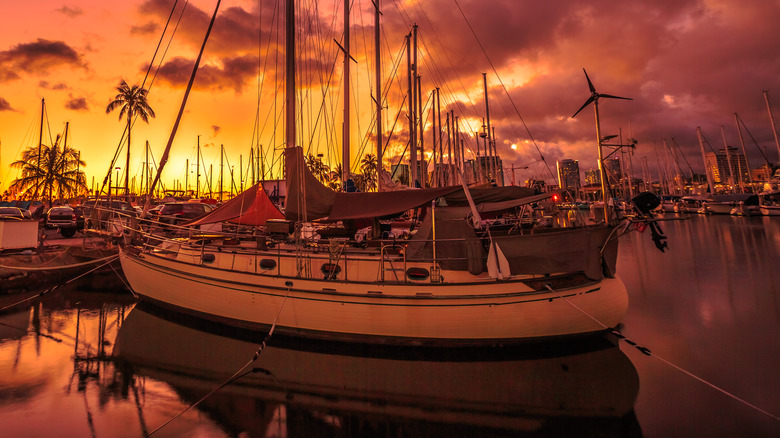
point(238, 374)
point(646, 351)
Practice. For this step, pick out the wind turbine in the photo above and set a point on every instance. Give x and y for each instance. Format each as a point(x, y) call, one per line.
point(594, 97)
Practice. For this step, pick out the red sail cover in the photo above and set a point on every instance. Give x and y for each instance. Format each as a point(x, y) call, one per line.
point(251, 207)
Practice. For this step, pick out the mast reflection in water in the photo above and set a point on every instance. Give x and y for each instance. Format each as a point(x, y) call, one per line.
point(57, 376)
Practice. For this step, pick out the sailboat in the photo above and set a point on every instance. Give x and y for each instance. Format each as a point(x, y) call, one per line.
point(455, 281)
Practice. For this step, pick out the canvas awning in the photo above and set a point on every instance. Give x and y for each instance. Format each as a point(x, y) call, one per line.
point(360, 205)
point(251, 207)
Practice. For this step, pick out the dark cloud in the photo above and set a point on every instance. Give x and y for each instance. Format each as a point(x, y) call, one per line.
point(38, 57)
point(145, 29)
point(71, 12)
point(686, 63)
point(47, 85)
point(229, 73)
point(5, 106)
point(76, 103)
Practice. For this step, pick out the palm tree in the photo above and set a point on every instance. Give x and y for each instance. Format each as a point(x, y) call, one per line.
point(133, 103)
point(54, 173)
point(368, 169)
point(334, 180)
point(319, 169)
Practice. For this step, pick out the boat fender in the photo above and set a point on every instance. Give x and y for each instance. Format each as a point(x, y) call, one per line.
point(208, 258)
point(474, 256)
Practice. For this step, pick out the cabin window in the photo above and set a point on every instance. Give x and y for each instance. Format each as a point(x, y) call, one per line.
point(267, 264)
point(331, 270)
point(417, 273)
point(208, 258)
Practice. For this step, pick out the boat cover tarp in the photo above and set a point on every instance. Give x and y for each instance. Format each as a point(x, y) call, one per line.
point(307, 198)
point(251, 207)
point(545, 251)
point(747, 198)
point(490, 207)
point(359, 205)
point(493, 194)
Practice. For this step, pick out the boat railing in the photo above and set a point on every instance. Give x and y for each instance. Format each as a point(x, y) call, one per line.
point(389, 252)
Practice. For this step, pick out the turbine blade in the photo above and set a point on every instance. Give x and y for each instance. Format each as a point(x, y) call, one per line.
point(614, 97)
point(587, 102)
point(590, 84)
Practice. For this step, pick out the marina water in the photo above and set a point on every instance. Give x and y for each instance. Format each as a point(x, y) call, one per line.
point(87, 361)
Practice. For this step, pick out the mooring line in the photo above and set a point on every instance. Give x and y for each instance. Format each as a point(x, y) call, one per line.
point(235, 375)
point(646, 351)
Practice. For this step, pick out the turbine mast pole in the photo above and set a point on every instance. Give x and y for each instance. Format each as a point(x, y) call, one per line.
point(602, 173)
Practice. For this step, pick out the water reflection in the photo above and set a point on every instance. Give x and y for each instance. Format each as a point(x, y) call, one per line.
point(709, 305)
point(296, 390)
point(85, 364)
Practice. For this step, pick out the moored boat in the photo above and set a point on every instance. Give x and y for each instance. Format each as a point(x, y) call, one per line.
point(769, 203)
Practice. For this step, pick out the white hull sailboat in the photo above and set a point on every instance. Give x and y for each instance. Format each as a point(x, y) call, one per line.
point(234, 288)
point(455, 281)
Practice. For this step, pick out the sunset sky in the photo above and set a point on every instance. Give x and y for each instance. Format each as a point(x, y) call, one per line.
point(686, 63)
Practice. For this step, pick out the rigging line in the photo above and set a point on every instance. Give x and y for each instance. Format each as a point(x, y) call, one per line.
point(159, 43)
point(124, 132)
point(164, 158)
point(445, 84)
point(754, 139)
point(533, 140)
point(647, 352)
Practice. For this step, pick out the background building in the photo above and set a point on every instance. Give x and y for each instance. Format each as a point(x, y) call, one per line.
point(569, 175)
point(718, 164)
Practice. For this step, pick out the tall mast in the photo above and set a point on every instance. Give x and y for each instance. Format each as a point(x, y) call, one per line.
point(378, 73)
point(146, 177)
point(434, 174)
point(744, 152)
point(489, 151)
point(772, 119)
point(345, 135)
point(410, 94)
point(197, 172)
point(40, 140)
point(186, 176)
point(221, 168)
point(728, 156)
point(289, 74)
point(704, 158)
point(450, 170)
point(438, 134)
point(421, 128)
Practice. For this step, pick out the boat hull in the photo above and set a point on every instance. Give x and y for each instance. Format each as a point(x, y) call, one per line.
point(770, 210)
point(482, 312)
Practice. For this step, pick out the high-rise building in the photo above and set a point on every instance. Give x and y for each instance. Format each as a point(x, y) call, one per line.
point(612, 169)
point(569, 174)
point(592, 177)
point(480, 170)
point(718, 164)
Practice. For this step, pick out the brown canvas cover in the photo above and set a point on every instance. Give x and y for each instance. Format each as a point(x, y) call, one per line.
point(250, 207)
point(307, 198)
point(360, 205)
point(486, 195)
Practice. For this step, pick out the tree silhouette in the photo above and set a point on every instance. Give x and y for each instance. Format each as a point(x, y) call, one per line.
point(132, 101)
